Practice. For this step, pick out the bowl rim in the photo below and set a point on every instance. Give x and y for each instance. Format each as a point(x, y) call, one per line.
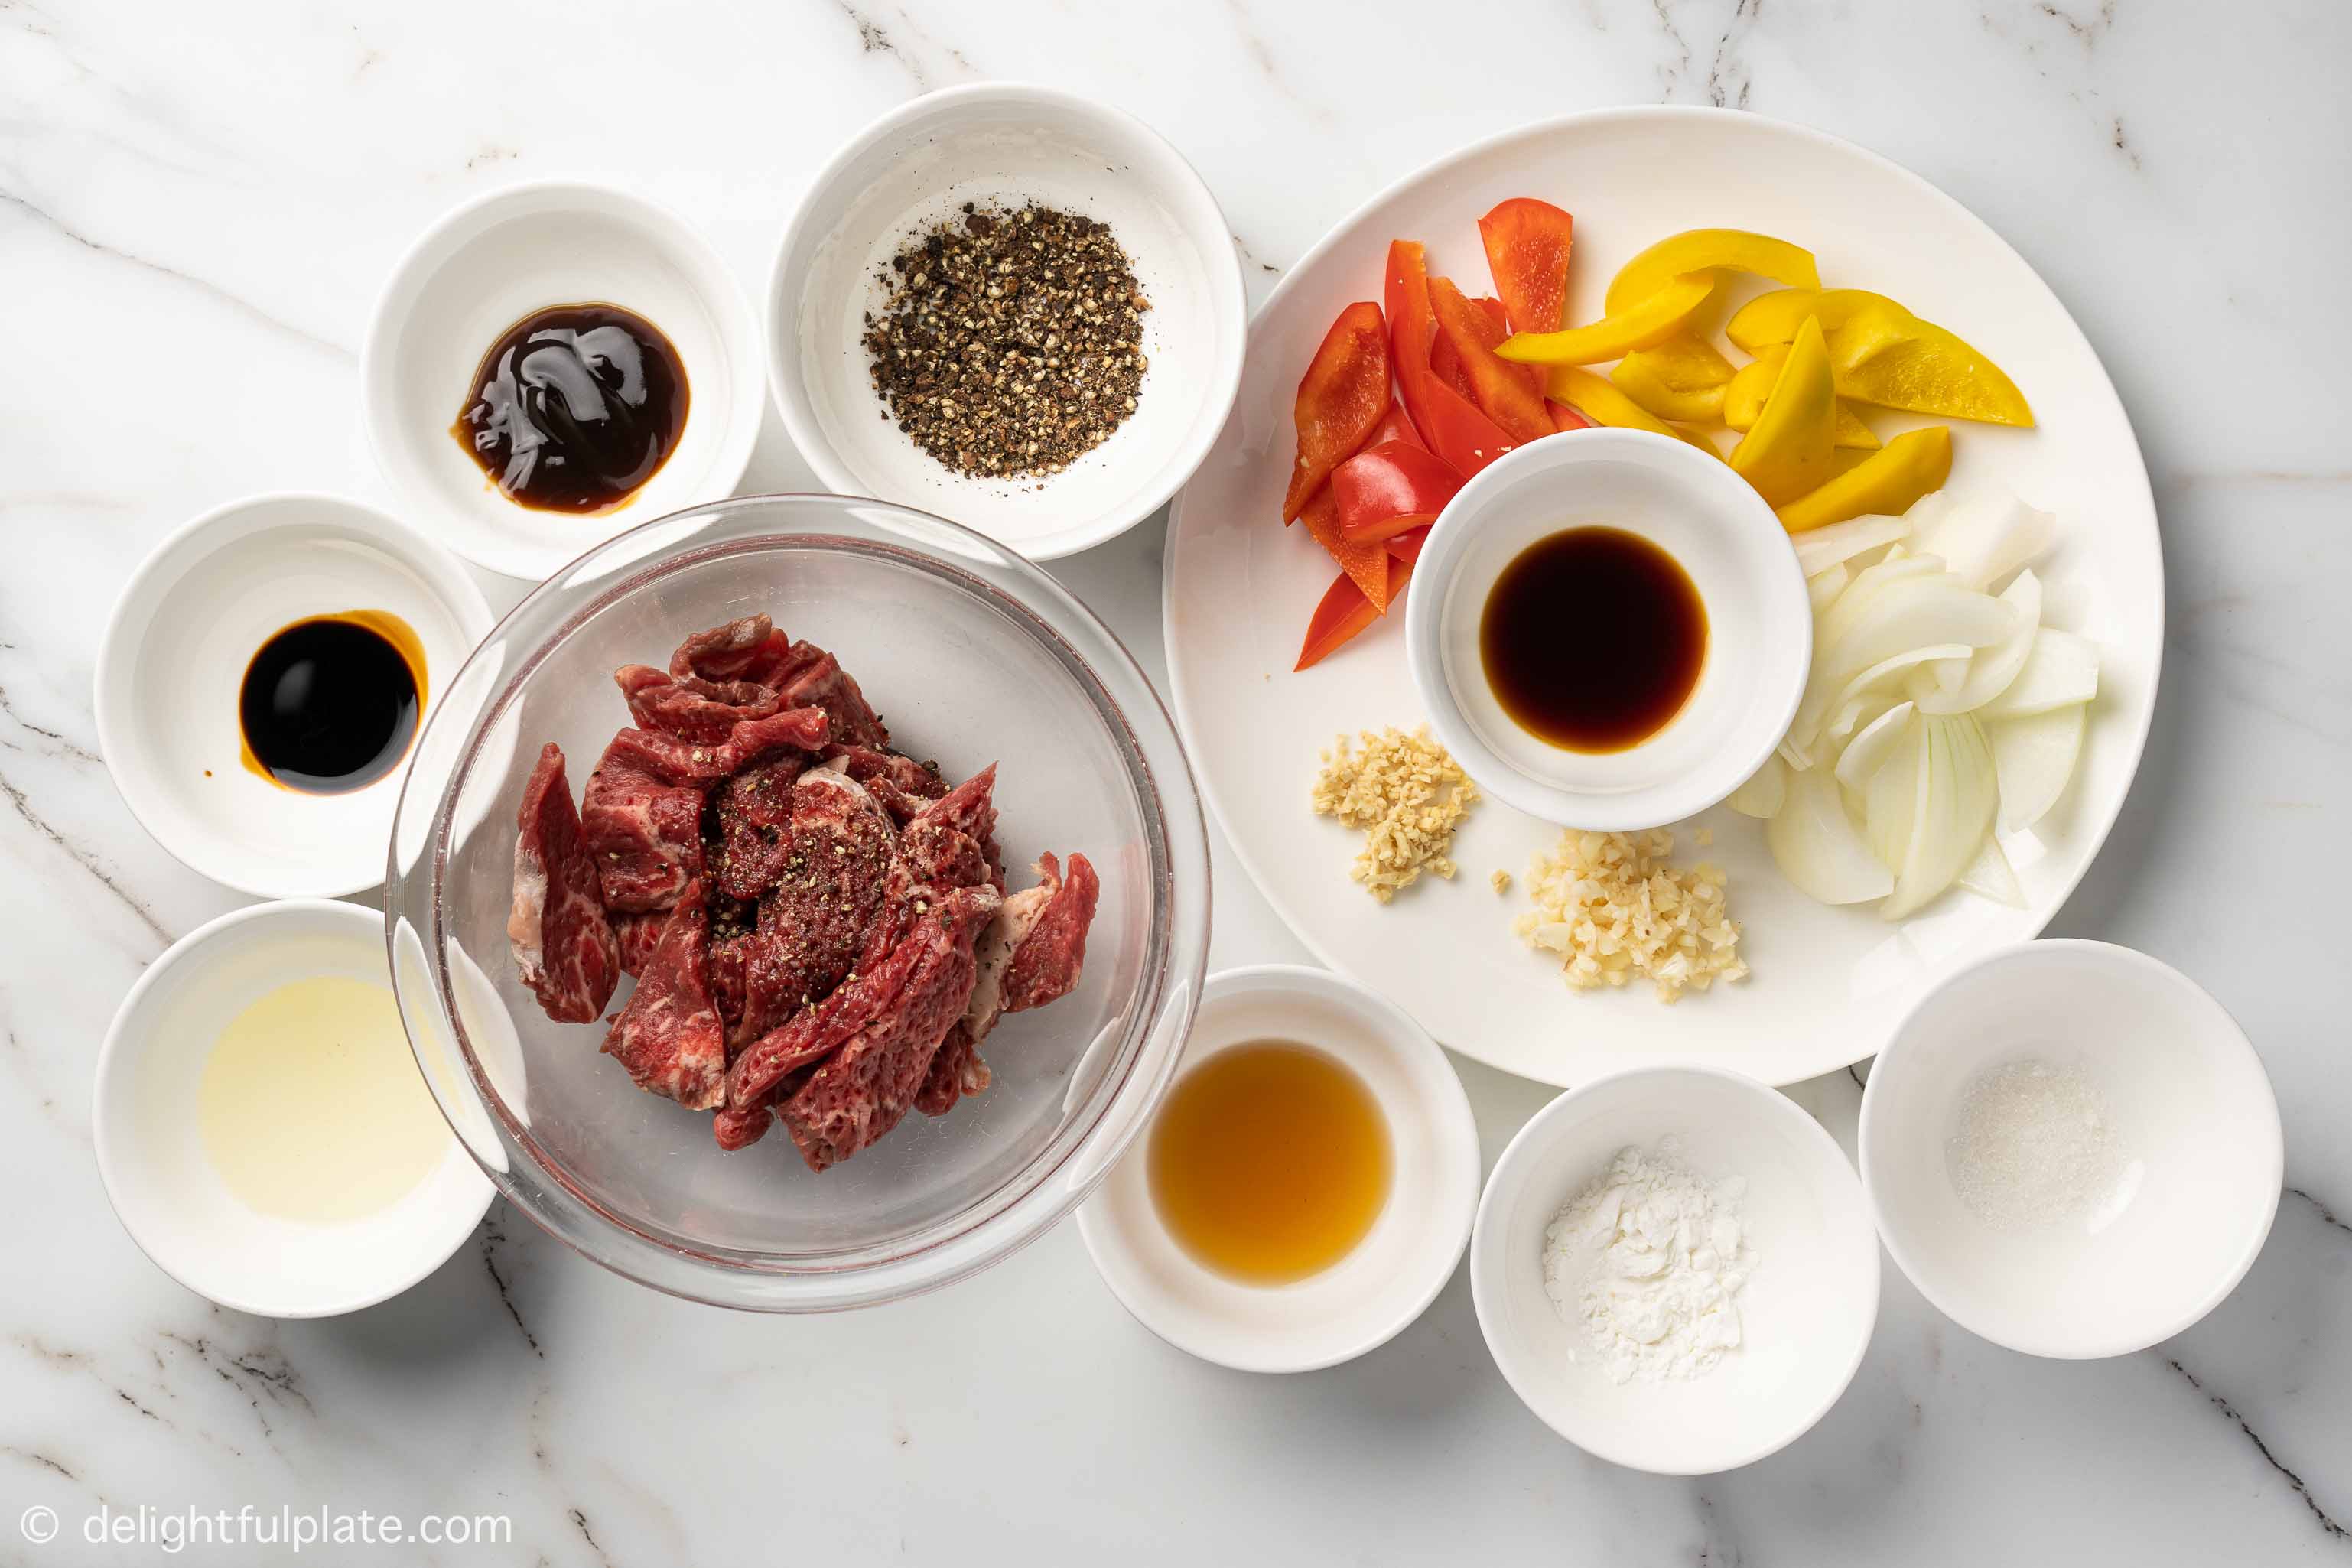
point(1159, 1015)
point(363, 920)
point(734, 316)
point(780, 310)
point(443, 577)
point(2230, 1044)
point(1674, 800)
point(1486, 1259)
point(1454, 1127)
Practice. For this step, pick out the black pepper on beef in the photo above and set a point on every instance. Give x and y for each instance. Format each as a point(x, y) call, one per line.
point(817, 924)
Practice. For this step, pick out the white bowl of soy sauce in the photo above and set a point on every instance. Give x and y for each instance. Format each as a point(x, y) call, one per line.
point(262, 681)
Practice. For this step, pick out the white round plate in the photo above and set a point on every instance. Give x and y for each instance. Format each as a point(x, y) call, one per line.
point(1829, 983)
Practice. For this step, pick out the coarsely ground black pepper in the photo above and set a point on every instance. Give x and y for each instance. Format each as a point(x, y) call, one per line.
point(1011, 342)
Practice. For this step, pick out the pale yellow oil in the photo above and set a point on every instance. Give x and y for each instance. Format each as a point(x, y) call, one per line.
point(310, 1105)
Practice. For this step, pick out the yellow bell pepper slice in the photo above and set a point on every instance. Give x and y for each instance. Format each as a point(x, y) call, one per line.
point(1681, 378)
point(1774, 318)
point(1644, 325)
point(1743, 399)
point(1886, 482)
point(1886, 357)
point(1593, 396)
point(1703, 250)
point(1787, 452)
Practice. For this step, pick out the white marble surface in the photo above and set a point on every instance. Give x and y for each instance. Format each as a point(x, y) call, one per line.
point(196, 205)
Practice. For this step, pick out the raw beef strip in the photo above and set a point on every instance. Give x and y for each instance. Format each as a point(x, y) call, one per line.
point(838, 851)
point(669, 1036)
point(563, 945)
point(646, 834)
point(638, 936)
point(859, 1093)
point(1032, 954)
point(677, 762)
point(726, 652)
point(901, 783)
point(970, 809)
point(814, 679)
point(690, 708)
point(752, 809)
point(729, 957)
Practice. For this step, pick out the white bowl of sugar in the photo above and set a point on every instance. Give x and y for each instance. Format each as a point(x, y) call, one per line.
point(2072, 1149)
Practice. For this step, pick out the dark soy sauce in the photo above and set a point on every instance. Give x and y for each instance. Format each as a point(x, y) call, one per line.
point(330, 704)
point(574, 408)
point(1593, 639)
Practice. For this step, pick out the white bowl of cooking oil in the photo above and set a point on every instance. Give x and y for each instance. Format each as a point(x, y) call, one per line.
point(261, 1126)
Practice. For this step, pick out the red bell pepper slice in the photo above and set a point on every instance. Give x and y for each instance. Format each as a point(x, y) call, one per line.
point(1344, 612)
point(1446, 365)
point(1452, 424)
point(1527, 250)
point(1362, 560)
point(1342, 395)
point(1508, 393)
point(1383, 490)
point(1563, 417)
point(1406, 547)
point(1395, 428)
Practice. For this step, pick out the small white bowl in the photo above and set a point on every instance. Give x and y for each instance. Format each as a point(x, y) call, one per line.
point(1759, 626)
point(1002, 143)
point(174, 656)
point(1366, 1298)
point(2196, 1127)
point(1807, 1312)
point(488, 265)
point(150, 1146)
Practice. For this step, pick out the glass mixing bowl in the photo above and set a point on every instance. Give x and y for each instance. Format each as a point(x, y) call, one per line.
point(973, 656)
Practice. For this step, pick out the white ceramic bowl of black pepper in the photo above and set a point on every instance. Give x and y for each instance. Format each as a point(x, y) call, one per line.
point(1042, 452)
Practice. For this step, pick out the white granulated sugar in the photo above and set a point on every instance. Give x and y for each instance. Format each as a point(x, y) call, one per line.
point(1650, 1257)
point(2036, 1146)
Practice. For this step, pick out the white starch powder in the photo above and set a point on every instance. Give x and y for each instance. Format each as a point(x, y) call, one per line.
point(1649, 1256)
point(2035, 1147)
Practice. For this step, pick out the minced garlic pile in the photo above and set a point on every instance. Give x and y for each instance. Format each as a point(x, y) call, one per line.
point(1406, 794)
point(1613, 908)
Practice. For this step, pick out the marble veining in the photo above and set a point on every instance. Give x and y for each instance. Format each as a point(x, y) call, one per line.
point(187, 188)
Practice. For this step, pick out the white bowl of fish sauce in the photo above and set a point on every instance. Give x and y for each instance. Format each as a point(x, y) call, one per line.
point(981, 154)
point(555, 363)
point(1306, 1187)
point(262, 681)
point(261, 1126)
point(1608, 630)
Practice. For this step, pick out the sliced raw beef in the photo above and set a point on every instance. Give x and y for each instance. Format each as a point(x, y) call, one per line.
point(644, 834)
point(970, 809)
point(956, 1071)
point(814, 922)
point(859, 1093)
point(726, 652)
point(677, 762)
point(812, 678)
point(638, 936)
point(1033, 954)
point(563, 945)
point(749, 811)
point(901, 783)
point(690, 708)
point(669, 1036)
point(1048, 964)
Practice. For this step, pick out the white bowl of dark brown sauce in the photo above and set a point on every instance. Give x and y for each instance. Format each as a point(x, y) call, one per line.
point(555, 363)
point(1610, 630)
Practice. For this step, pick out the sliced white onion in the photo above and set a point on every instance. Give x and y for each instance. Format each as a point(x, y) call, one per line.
point(2062, 670)
point(1990, 876)
point(1958, 792)
point(1761, 796)
point(1865, 587)
point(1992, 669)
point(1835, 710)
point(1894, 798)
point(1825, 589)
point(1872, 746)
point(1816, 846)
point(1820, 548)
point(1913, 614)
point(2033, 758)
point(1983, 538)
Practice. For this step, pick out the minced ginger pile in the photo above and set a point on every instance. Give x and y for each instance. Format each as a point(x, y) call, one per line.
point(1612, 907)
point(1406, 794)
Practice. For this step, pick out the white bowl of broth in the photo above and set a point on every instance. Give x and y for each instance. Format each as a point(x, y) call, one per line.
point(1306, 1188)
point(261, 1126)
point(1608, 631)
